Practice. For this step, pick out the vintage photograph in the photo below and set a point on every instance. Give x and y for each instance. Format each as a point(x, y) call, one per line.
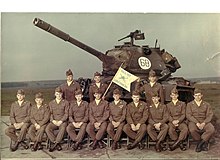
point(110, 85)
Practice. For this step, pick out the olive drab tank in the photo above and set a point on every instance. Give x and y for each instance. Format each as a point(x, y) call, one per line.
point(136, 59)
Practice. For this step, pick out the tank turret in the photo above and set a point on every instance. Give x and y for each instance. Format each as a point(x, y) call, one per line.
point(136, 59)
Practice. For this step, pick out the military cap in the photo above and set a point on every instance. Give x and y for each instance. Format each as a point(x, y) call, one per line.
point(152, 73)
point(136, 93)
point(117, 91)
point(69, 72)
point(77, 92)
point(39, 95)
point(97, 91)
point(58, 89)
point(155, 94)
point(197, 91)
point(97, 74)
point(20, 91)
point(174, 91)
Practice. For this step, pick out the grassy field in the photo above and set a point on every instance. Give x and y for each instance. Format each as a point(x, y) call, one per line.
point(211, 94)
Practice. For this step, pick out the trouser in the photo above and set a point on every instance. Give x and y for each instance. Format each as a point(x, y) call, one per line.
point(36, 135)
point(157, 136)
point(115, 135)
point(71, 130)
point(207, 131)
point(138, 135)
point(90, 129)
point(61, 131)
point(173, 133)
point(11, 132)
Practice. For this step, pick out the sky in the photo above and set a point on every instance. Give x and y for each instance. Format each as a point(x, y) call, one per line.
point(31, 54)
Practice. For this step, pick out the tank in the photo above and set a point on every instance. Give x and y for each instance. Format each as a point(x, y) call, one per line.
point(136, 59)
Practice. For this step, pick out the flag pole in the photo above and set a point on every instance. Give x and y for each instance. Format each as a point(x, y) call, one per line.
point(111, 83)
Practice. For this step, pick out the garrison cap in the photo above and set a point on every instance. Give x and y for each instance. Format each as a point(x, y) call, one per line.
point(39, 95)
point(197, 91)
point(21, 91)
point(117, 91)
point(77, 92)
point(97, 91)
point(136, 93)
point(152, 73)
point(174, 91)
point(69, 72)
point(155, 94)
point(58, 89)
point(97, 74)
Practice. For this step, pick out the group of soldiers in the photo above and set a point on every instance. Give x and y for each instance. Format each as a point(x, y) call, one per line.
point(68, 112)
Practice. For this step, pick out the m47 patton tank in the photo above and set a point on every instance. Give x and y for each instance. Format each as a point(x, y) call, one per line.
point(136, 59)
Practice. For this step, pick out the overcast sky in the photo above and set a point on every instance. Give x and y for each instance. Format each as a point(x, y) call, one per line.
point(29, 53)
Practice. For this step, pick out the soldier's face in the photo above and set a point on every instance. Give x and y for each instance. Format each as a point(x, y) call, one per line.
point(198, 96)
point(69, 78)
point(135, 98)
point(97, 96)
point(155, 100)
point(20, 97)
point(152, 79)
point(78, 97)
point(39, 101)
point(58, 95)
point(97, 79)
point(116, 97)
point(174, 96)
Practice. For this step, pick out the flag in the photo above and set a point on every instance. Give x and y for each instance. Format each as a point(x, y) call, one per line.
point(124, 79)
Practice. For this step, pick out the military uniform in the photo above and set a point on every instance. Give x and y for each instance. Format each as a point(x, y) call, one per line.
point(19, 114)
point(78, 114)
point(134, 116)
point(199, 114)
point(97, 113)
point(117, 114)
point(157, 115)
point(58, 112)
point(177, 112)
point(94, 87)
point(68, 90)
point(150, 90)
point(40, 116)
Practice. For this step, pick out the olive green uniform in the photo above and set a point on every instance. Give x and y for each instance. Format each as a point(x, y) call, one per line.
point(78, 114)
point(134, 116)
point(117, 114)
point(40, 116)
point(199, 114)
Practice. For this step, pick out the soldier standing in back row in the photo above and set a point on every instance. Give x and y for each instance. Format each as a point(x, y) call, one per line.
point(20, 120)
point(151, 87)
point(69, 88)
point(40, 115)
point(58, 119)
point(78, 118)
point(98, 116)
point(158, 116)
point(96, 85)
point(136, 116)
point(199, 113)
point(177, 114)
point(117, 118)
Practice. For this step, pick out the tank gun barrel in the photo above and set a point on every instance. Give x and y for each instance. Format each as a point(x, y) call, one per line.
point(66, 37)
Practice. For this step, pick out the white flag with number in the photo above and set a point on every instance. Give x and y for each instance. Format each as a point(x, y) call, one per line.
point(124, 79)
